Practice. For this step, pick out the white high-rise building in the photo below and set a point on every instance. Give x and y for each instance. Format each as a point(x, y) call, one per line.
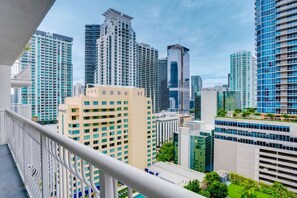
point(178, 78)
point(243, 77)
point(116, 50)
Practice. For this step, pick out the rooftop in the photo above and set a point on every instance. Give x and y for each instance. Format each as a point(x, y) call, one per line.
point(175, 174)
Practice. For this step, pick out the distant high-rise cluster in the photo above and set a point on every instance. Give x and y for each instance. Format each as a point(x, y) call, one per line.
point(120, 60)
point(50, 57)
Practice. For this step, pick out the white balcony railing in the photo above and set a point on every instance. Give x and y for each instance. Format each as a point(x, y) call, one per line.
point(52, 165)
point(22, 109)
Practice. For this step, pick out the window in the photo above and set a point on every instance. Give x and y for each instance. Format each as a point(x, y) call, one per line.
point(111, 102)
point(87, 137)
point(73, 110)
point(119, 102)
point(86, 103)
point(95, 103)
point(103, 102)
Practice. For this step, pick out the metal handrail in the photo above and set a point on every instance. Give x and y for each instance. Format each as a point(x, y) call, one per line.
point(142, 182)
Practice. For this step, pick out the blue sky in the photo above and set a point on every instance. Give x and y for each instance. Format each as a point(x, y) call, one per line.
point(211, 29)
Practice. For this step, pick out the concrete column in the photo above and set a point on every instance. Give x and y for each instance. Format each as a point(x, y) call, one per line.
point(5, 86)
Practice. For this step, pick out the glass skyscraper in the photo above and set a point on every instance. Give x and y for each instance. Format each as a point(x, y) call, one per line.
point(92, 33)
point(276, 31)
point(178, 78)
point(196, 86)
point(162, 85)
point(50, 57)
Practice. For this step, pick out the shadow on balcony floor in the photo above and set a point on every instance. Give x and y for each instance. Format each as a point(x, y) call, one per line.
point(11, 184)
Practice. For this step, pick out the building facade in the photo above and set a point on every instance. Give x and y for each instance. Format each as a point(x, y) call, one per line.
point(50, 57)
point(116, 50)
point(196, 86)
point(92, 33)
point(276, 46)
point(166, 126)
point(243, 77)
point(78, 89)
point(262, 150)
point(117, 121)
point(213, 100)
point(194, 146)
point(178, 63)
point(147, 72)
point(162, 85)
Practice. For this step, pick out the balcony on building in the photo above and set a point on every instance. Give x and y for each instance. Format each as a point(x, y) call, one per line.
point(36, 162)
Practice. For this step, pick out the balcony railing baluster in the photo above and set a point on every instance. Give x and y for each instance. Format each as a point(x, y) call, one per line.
point(49, 166)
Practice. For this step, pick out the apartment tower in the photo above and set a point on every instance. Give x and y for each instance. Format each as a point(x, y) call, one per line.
point(116, 50)
point(50, 57)
point(243, 77)
point(276, 43)
point(147, 72)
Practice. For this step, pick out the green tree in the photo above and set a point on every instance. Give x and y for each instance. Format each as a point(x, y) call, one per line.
point(248, 190)
point(285, 116)
point(234, 114)
point(245, 114)
point(221, 113)
point(270, 115)
point(218, 190)
point(211, 177)
point(204, 193)
point(166, 152)
point(237, 110)
point(279, 191)
point(193, 185)
point(257, 114)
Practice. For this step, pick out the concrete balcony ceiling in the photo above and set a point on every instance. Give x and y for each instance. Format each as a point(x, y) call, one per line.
point(18, 22)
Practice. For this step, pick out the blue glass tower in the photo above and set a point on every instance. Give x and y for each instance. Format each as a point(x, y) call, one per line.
point(276, 45)
point(178, 78)
point(92, 33)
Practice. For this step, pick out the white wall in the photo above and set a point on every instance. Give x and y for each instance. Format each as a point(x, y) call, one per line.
point(184, 147)
point(208, 106)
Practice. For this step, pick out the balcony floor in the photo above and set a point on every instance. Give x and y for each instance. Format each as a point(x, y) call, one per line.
point(11, 184)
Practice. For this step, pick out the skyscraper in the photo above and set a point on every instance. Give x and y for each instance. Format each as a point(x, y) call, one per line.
point(92, 33)
point(196, 86)
point(50, 56)
point(243, 77)
point(162, 85)
point(178, 77)
point(276, 45)
point(147, 72)
point(116, 50)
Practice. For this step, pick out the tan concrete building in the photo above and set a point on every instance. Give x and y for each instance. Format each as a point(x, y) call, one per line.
point(117, 121)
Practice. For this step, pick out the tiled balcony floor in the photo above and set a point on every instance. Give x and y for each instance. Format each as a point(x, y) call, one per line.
point(11, 184)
